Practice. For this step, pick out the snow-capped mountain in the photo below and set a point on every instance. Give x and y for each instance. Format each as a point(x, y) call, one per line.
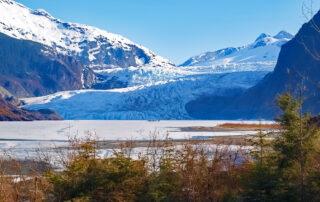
point(262, 54)
point(95, 48)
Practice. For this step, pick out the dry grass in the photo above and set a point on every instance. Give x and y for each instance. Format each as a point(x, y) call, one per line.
point(249, 126)
point(229, 127)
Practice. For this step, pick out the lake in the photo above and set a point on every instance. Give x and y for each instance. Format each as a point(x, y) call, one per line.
point(24, 137)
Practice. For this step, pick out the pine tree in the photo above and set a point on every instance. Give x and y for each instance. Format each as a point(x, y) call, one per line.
point(295, 148)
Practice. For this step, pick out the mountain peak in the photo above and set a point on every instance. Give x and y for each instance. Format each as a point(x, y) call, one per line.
point(262, 36)
point(283, 35)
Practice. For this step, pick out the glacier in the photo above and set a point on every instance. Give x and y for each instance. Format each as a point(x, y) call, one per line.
point(156, 99)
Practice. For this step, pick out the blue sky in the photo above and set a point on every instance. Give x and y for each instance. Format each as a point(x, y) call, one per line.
point(179, 29)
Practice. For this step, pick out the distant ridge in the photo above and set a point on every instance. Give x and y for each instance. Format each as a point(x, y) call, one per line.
point(297, 67)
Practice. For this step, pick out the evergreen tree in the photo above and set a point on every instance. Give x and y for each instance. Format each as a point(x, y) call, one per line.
point(295, 148)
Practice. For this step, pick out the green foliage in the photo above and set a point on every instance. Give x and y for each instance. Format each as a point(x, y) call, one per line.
point(116, 179)
point(259, 183)
point(163, 186)
point(262, 145)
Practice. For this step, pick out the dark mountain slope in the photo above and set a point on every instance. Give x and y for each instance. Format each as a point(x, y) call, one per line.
point(32, 69)
point(298, 67)
point(10, 112)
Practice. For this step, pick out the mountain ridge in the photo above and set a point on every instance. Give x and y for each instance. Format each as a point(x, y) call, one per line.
point(214, 58)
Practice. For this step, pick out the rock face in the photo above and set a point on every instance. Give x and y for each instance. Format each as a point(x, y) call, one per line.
point(298, 67)
point(32, 69)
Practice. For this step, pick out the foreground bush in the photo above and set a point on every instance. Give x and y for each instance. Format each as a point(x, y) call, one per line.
point(164, 173)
